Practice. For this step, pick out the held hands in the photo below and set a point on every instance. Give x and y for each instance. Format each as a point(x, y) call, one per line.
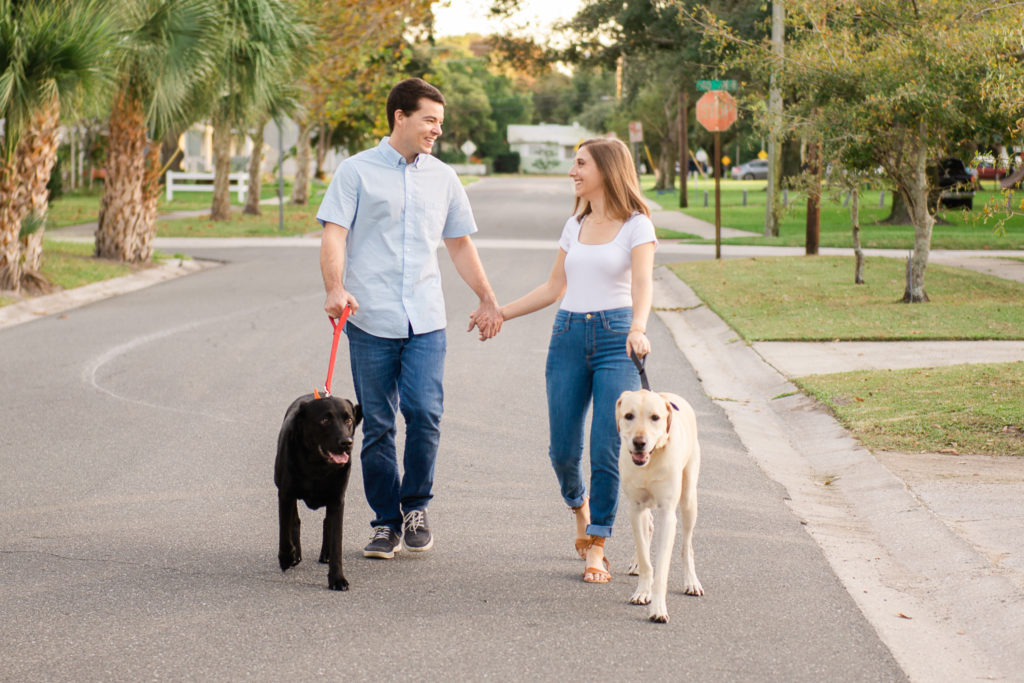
point(487, 318)
point(637, 343)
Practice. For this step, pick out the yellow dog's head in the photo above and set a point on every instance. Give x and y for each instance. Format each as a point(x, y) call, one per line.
point(644, 419)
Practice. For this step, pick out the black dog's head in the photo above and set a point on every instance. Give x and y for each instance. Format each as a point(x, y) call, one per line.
point(328, 425)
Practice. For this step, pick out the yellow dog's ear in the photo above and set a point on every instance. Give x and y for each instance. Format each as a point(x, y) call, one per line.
point(617, 404)
point(669, 408)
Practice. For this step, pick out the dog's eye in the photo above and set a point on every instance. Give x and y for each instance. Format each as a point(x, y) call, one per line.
point(655, 418)
point(325, 420)
point(628, 416)
point(348, 421)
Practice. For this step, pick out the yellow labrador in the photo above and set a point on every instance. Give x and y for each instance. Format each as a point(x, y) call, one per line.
point(659, 462)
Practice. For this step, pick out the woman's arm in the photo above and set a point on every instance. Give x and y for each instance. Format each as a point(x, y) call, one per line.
point(642, 291)
point(541, 297)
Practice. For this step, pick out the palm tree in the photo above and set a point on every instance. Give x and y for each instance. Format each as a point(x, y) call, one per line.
point(263, 47)
point(52, 54)
point(167, 58)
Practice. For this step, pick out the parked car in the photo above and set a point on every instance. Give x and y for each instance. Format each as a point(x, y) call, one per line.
point(955, 183)
point(756, 169)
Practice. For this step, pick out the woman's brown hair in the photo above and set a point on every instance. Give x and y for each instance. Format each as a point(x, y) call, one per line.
point(622, 197)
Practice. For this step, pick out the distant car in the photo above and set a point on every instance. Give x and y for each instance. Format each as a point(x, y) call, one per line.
point(955, 183)
point(987, 171)
point(756, 169)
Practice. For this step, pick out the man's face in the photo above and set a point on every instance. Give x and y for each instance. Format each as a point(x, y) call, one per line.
point(415, 132)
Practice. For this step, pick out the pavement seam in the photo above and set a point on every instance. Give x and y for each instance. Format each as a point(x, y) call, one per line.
point(895, 557)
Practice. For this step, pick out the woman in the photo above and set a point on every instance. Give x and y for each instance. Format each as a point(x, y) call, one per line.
point(604, 269)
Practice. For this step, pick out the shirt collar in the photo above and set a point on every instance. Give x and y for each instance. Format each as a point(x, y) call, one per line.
point(393, 156)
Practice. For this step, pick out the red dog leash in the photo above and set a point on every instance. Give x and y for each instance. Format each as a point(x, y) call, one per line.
point(338, 325)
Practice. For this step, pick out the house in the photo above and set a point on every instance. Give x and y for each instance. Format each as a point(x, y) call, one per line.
point(546, 148)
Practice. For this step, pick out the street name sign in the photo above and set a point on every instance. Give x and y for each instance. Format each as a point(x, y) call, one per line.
point(706, 86)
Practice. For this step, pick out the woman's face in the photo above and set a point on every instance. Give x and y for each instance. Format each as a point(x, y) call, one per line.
point(587, 179)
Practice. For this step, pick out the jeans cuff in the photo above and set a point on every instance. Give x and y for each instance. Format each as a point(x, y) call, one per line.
point(598, 530)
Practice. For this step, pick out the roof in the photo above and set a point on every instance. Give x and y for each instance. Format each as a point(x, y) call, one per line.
point(548, 132)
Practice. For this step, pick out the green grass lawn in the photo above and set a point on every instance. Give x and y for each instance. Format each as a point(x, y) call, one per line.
point(815, 299)
point(965, 229)
point(963, 409)
point(298, 220)
point(72, 264)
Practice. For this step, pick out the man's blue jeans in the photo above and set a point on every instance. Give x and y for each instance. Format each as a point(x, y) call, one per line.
point(391, 375)
point(587, 362)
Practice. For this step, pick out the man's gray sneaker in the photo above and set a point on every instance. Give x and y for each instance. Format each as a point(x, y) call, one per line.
point(384, 544)
point(415, 532)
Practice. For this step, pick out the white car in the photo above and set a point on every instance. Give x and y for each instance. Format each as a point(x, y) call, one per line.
point(752, 170)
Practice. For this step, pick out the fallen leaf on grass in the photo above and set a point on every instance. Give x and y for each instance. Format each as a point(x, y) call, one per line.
point(901, 615)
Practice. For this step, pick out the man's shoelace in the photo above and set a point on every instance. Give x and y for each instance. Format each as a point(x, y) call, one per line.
point(381, 532)
point(414, 521)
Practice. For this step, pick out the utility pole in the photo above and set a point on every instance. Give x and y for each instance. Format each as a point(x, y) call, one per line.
point(772, 203)
point(683, 124)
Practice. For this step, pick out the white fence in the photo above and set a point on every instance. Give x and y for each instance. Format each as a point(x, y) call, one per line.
point(203, 182)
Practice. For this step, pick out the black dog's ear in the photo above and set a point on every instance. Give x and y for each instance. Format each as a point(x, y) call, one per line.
point(357, 414)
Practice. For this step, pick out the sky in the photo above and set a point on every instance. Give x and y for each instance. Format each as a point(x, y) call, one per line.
point(470, 16)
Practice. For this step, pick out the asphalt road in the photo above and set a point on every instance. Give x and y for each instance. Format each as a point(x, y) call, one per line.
point(138, 511)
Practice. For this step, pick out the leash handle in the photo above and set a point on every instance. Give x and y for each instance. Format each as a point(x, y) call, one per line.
point(640, 364)
point(338, 325)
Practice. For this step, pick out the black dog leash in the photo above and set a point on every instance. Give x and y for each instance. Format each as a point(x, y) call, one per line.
point(640, 364)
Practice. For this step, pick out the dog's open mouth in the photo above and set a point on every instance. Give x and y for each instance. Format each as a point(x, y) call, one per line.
point(336, 458)
point(640, 458)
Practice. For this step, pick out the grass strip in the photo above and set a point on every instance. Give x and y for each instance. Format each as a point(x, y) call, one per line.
point(799, 298)
point(72, 264)
point(963, 409)
point(958, 229)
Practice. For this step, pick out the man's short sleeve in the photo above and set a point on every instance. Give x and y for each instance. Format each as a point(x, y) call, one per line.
point(341, 201)
point(460, 221)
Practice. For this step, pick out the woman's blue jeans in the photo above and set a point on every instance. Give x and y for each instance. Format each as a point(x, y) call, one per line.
point(587, 363)
point(391, 375)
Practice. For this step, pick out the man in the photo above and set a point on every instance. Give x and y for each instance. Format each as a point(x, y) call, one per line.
point(384, 215)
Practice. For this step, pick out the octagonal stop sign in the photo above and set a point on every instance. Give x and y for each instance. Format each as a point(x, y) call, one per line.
point(716, 110)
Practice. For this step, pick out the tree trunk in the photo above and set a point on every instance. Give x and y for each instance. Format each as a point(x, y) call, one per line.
point(858, 270)
point(917, 201)
point(220, 208)
point(666, 159)
point(127, 220)
point(323, 143)
point(252, 197)
point(22, 193)
point(813, 232)
point(899, 214)
point(300, 190)
point(38, 159)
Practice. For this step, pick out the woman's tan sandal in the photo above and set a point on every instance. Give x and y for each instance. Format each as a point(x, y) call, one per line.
point(597, 574)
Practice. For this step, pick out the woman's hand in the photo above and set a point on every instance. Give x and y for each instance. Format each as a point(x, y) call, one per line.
point(637, 343)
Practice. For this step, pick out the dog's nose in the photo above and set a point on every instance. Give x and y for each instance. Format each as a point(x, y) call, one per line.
point(639, 443)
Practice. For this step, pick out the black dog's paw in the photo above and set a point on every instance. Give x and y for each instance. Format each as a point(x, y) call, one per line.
point(339, 584)
point(289, 560)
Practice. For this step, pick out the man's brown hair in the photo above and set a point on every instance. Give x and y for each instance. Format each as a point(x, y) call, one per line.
point(406, 96)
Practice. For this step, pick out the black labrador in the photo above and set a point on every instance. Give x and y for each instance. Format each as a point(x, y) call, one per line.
point(314, 453)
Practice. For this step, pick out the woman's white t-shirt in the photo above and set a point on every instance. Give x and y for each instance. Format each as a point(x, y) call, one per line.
point(598, 276)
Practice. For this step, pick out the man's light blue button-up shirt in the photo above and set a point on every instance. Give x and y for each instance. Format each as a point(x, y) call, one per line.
point(396, 214)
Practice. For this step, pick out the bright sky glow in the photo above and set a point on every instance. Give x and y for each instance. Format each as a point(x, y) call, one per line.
point(458, 17)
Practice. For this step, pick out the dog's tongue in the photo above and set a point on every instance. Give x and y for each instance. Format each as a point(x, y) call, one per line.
point(639, 458)
point(338, 458)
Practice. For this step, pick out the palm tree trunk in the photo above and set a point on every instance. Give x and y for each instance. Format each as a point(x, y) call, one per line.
point(38, 159)
point(220, 209)
point(252, 198)
point(300, 191)
point(23, 192)
point(127, 220)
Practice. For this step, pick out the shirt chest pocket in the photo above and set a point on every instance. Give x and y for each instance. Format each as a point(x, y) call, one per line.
point(430, 218)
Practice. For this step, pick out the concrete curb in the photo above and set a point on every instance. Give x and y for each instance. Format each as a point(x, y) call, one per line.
point(914, 578)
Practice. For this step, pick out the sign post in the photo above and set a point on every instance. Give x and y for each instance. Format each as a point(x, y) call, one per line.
point(716, 111)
